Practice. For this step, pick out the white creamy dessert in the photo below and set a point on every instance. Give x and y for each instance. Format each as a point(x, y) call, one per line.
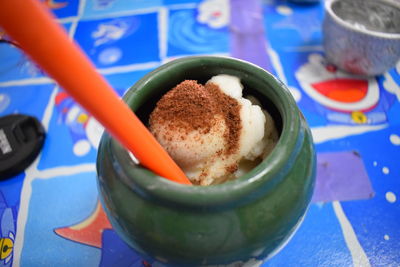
point(212, 132)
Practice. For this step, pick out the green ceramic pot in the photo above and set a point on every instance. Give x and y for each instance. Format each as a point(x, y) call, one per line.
point(245, 219)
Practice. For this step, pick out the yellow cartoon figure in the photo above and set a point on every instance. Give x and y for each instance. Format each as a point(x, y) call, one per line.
point(359, 117)
point(6, 247)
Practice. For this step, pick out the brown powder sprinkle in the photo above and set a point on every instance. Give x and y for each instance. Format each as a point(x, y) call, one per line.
point(232, 168)
point(230, 109)
point(191, 106)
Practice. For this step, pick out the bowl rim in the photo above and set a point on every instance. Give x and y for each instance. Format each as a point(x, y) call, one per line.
point(343, 23)
point(265, 175)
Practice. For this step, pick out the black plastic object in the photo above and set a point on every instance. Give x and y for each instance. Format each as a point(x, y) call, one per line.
point(21, 139)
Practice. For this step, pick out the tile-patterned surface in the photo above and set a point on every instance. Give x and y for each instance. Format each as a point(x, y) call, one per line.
point(51, 211)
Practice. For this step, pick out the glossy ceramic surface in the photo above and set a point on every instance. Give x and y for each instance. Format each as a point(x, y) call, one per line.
point(362, 36)
point(248, 218)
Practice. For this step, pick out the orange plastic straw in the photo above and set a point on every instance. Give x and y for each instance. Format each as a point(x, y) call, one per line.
point(30, 24)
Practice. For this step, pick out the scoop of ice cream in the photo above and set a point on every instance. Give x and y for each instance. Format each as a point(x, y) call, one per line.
point(208, 130)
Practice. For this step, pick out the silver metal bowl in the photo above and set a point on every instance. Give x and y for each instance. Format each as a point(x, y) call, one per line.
point(362, 36)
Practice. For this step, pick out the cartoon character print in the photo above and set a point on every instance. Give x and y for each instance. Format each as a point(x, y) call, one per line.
point(340, 96)
point(84, 129)
point(200, 30)
point(96, 231)
point(7, 225)
point(214, 13)
point(110, 32)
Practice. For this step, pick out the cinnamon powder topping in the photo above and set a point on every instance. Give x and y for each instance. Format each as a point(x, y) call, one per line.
point(230, 110)
point(191, 106)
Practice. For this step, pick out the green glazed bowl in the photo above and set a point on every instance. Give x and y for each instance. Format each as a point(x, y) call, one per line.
point(249, 218)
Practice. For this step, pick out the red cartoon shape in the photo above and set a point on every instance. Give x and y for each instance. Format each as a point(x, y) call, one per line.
point(343, 90)
point(336, 90)
point(89, 231)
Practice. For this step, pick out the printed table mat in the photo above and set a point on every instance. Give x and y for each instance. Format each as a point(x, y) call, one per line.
point(50, 214)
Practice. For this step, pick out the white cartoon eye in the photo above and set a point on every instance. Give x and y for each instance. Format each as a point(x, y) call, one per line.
point(11, 236)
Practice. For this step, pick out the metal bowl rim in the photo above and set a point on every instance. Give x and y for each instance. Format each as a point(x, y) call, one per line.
point(343, 23)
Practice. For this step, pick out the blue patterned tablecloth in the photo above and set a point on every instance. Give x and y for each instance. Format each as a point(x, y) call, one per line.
point(51, 212)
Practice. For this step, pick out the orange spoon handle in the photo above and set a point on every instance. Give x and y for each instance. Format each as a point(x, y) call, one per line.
point(30, 24)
